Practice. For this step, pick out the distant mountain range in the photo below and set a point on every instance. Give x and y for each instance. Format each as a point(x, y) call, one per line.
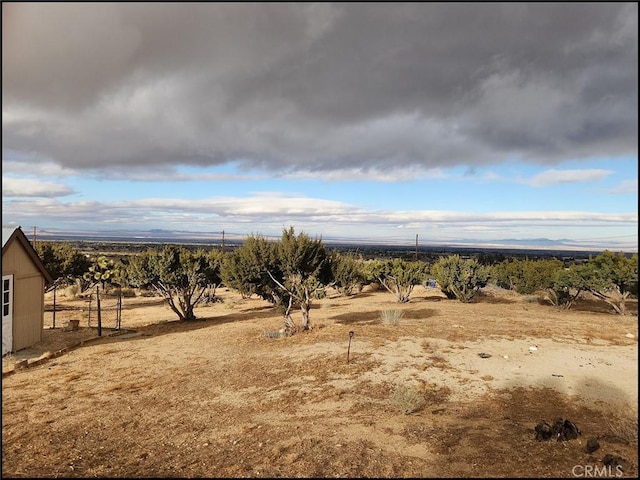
point(536, 241)
point(163, 235)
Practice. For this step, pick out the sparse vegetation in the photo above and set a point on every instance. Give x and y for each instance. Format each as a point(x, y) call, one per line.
point(181, 276)
point(609, 277)
point(409, 398)
point(530, 299)
point(525, 276)
point(242, 269)
point(391, 317)
point(460, 278)
point(306, 271)
point(348, 273)
point(105, 272)
point(63, 262)
point(614, 278)
point(624, 424)
point(254, 396)
point(398, 276)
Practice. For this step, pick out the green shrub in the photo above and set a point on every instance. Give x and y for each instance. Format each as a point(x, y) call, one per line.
point(398, 276)
point(460, 278)
point(525, 276)
point(348, 273)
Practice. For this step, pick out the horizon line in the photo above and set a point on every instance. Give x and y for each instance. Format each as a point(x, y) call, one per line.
point(178, 236)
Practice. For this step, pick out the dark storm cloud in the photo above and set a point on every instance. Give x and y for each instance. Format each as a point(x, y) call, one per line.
point(319, 86)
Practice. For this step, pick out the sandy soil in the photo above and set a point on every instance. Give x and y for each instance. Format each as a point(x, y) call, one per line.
point(218, 398)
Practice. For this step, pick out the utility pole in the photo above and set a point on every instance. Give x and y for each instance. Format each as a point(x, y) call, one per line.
point(223, 241)
point(34, 236)
point(416, 256)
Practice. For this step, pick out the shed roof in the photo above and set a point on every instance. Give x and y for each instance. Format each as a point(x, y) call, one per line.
point(11, 234)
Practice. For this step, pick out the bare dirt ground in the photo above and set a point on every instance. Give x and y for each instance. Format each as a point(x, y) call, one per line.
point(218, 398)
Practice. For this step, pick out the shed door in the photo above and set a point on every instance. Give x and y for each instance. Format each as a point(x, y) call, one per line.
point(7, 314)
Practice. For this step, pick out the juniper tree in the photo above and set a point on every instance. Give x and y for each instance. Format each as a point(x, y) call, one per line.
point(609, 276)
point(304, 271)
point(397, 275)
point(459, 277)
point(525, 276)
point(179, 275)
point(64, 263)
point(347, 272)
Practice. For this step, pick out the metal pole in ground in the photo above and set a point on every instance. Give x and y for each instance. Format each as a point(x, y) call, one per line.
point(119, 310)
point(99, 313)
point(54, 306)
point(349, 347)
point(89, 317)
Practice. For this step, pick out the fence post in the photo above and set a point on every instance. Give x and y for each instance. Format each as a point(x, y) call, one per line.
point(89, 318)
point(119, 309)
point(54, 306)
point(99, 313)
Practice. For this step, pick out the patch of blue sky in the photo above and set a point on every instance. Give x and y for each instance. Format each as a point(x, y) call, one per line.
point(483, 189)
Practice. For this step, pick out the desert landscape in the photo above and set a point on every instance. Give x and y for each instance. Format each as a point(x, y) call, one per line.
point(245, 151)
point(451, 390)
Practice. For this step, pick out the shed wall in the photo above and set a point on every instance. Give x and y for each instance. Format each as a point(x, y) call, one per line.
point(28, 298)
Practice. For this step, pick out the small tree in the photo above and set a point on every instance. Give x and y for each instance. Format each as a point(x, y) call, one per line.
point(305, 272)
point(347, 272)
point(238, 273)
point(525, 276)
point(460, 278)
point(398, 276)
point(63, 262)
point(291, 272)
point(181, 276)
point(245, 269)
point(567, 284)
point(106, 272)
point(214, 259)
point(613, 277)
point(610, 277)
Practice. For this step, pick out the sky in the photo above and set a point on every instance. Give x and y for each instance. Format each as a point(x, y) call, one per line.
point(457, 122)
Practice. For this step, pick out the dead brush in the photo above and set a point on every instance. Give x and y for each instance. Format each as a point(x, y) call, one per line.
point(625, 425)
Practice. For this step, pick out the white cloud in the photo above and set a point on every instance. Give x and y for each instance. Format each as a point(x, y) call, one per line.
point(35, 168)
point(556, 177)
point(268, 208)
point(626, 187)
point(24, 187)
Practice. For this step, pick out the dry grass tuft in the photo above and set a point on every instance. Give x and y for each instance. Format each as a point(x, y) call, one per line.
point(624, 424)
point(409, 398)
point(530, 299)
point(391, 317)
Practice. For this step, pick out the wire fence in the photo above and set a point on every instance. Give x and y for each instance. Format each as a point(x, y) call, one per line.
point(105, 309)
point(102, 309)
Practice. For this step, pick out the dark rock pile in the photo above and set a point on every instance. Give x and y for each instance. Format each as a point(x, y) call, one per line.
point(562, 430)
